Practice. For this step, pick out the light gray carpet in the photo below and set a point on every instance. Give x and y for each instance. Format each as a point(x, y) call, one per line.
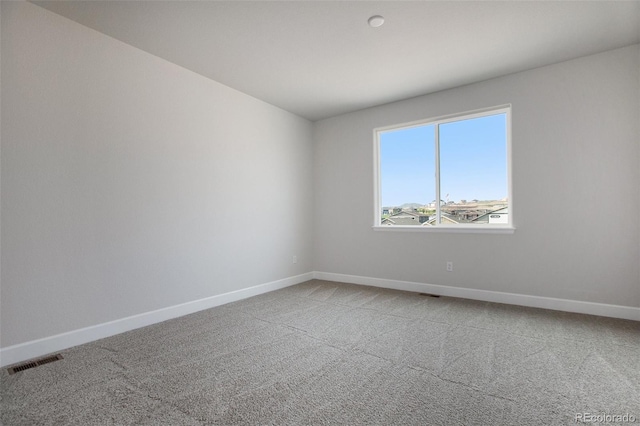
point(328, 353)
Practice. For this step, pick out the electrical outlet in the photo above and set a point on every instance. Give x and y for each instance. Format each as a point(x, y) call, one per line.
point(295, 259)
point(449, 266)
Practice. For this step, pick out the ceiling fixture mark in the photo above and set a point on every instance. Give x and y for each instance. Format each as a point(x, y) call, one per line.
point(376, 21)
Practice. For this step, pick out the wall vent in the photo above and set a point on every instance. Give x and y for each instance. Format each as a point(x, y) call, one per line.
point(32, 364)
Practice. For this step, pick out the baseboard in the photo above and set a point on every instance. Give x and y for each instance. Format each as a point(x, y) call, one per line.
point(601, 309)
point(36, 348)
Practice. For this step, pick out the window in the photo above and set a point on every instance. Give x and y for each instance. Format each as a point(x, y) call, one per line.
point(449, 173)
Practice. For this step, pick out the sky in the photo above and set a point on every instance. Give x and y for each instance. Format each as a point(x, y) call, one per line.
point(473, 162)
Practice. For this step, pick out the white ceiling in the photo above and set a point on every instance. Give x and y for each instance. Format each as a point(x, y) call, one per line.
point(320, 58)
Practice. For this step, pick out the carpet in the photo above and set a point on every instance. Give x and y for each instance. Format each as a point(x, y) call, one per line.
point(331, 353)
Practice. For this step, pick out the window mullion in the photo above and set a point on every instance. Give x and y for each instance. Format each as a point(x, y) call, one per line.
point(437, 148)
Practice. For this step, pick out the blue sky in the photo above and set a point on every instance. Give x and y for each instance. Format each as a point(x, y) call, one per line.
point(473, 162)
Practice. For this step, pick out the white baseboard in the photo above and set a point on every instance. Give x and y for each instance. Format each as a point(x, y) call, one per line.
point(36, 348)
point(601, 309)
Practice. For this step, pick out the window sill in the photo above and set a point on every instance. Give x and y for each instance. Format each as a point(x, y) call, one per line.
point(450, 229)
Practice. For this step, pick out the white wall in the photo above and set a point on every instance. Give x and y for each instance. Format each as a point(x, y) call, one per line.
point(576, 152)
point(130, 184)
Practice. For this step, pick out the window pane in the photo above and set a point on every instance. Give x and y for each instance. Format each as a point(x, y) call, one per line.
point(407, 176)
point(473, 171)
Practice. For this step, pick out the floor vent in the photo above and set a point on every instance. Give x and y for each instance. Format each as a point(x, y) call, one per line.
point(428, 294)
point(32, 364)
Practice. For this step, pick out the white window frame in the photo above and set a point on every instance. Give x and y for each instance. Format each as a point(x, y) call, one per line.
point(508, 228)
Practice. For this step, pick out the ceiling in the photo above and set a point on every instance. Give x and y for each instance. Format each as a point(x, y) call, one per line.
point(319, 59)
